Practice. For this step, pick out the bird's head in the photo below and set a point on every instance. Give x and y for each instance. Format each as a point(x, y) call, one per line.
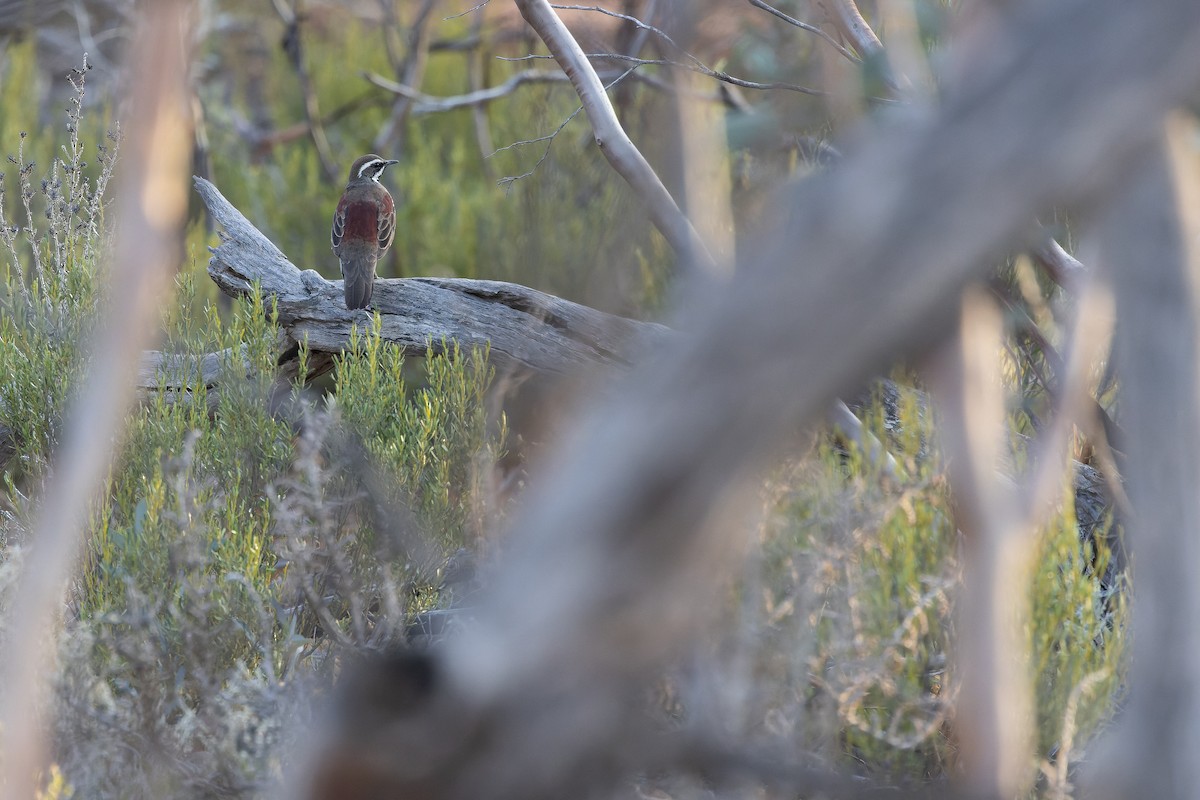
point(368, 168)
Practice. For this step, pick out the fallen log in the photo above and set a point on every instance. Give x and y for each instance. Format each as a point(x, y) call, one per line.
point(523, 327)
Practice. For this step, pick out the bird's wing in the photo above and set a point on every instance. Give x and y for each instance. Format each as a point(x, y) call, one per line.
point(339, 224)
point(387, 223)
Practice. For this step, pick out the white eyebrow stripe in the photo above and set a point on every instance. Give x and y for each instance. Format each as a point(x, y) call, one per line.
point(375, 162)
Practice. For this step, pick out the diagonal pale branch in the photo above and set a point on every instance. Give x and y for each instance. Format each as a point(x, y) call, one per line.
point(616, 551)
point(612, 140)
point(151, 205)
point(996, 701)
point(844, 14)
point(522, 326)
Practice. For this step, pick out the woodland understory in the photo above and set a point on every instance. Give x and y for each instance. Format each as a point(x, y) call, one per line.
point(759, 399)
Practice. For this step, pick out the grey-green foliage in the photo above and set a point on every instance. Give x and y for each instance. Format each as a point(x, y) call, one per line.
point(435, 436)
point(51, 235)
point(193, 620)
point(549, 230)
point(863, 576)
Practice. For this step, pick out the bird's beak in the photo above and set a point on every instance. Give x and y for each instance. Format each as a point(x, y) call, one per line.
point(392, 162)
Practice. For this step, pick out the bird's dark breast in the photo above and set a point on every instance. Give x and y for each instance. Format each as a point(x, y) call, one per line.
point(362, 222)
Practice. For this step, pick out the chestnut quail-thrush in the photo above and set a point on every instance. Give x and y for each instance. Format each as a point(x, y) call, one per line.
point(363, 227)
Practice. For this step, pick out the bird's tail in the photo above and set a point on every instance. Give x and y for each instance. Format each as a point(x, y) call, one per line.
point(359, 282)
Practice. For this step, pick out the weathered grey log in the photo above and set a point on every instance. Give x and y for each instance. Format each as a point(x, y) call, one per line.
point(523, 327)
point(172, 372)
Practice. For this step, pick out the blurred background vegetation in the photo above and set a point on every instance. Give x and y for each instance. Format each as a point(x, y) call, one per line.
point(238, 555)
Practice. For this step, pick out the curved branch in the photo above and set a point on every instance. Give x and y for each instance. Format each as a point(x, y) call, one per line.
point(850, 23)
point(429, 104)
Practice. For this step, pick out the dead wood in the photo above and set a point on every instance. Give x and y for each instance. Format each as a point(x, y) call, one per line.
point(524, 328)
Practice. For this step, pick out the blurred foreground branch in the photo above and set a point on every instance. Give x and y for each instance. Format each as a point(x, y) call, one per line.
point(613, 559)
point(1155, 269)
point(151, 205)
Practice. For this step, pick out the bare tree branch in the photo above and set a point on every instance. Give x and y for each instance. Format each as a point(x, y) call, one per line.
point(477, 68)
point(770, 9)
point(849, 21)
point(614, 143)
point(428, 104)
point(1063, 268)
point(151, 207)
point(998, 519)
point(690, 62)
point(411, 72)
point(844, 14)
point(293, 45)
point(703, 69)
point(996, 703)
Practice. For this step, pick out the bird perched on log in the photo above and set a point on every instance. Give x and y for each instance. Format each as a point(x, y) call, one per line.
point(363, 227)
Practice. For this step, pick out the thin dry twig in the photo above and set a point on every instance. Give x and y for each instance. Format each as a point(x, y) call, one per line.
point(1058, 773)
point(697, 67)
point(720, 75)
point(470, 10)
point(293, 45)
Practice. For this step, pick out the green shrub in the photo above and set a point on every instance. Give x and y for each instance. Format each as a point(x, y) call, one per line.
point(194, 618)
point(550, 230)
point(863, 575)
